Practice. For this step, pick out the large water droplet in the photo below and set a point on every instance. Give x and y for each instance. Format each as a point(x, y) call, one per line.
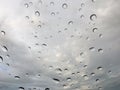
point(64, 6)
point(93, 17)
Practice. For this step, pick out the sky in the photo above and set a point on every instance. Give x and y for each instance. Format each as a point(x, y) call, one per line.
point(59, 45)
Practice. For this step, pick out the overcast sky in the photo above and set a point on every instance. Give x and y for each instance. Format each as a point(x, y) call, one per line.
point(60, 44)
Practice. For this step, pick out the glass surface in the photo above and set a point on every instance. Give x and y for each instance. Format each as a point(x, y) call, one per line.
point(59, 45)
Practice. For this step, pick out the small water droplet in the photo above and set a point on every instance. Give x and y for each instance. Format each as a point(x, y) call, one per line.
point(17, 77)
point(27, 17)
point(44, 44)
point(85, 77)
point(109, 71)
point(64, 6)
point(97, 80)
point(82, 16)
point(21, 88)
point(92, 48)
point(93, 17)
point(82, 4)
point(79, 9)
point(56, 80)
point(92, 74)
point(51, 3)
point(85, 66)
point(4, 48)
point(100, 50)
point(30, 3)
point(100, 35)
point(52, 14)
point(95, 29)
point(99, 68)
point(93, 0)
point(26, 5)
point(99, 88)
point(47, 88)
point(81, 54)
point(39, 26)
point(1, 59)
point(37, 13)
point(70, 22)
point(68, 79)
point(3, 32)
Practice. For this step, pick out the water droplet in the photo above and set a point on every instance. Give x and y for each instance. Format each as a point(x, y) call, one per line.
point(44, 44)
point(17, 77)
point(65, 29)
point(93, 17)
point(1, 59)
point(85, 66)
point(109, 71)
point(100, 35)
point(64, 6)
point(52, 14)
point(26, 5)
point(39, 26)
point(21, 88)
point(47, 88)
point(51, 3)
point(97, 80)
point(81, 54)
point(56, 80)
point(92, 74)
point(70, 22)
point(85, 77)
point(69, 79)
point(93, 0)
point(3, 32)
point(99, 88)
point(4, 48)
point(82, 4)
point(30, 3)
point(99, 68)
point(82, 16)
point(95, 29)
point(92, 48)
point(100, 50)
point(79, 9)
point(37, 13)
